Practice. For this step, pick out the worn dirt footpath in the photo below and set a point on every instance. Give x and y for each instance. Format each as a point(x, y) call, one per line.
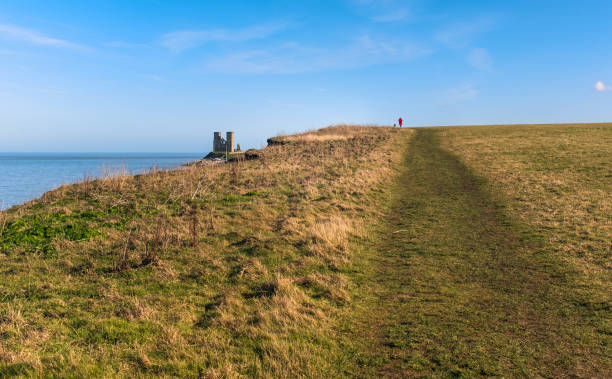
point(455, 286)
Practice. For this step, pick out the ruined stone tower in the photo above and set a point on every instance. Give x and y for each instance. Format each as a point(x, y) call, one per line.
point(229, 140)
point(221, 145)
point(218, 142)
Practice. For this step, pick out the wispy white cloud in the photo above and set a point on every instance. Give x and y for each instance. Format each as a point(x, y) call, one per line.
point(124, 44)
point(179, 41)
point(392, 16)
point(480, 59)
point(289, 58)
point(461, 93)
point(52, 91)
point(601, 86)
point(384, 10)
point(10, 52)
point(16, 33)
point(154, 77)
point(461, 35)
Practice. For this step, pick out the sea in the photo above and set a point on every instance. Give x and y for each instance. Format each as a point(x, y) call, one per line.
point(26, 176)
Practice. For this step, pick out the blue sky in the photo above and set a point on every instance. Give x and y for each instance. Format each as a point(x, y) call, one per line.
point(163, 75)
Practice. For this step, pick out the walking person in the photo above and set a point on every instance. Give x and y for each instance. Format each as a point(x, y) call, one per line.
point(400, 121)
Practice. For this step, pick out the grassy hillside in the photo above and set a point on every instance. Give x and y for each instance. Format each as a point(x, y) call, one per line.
point(218, 270)
point(558, 180)
point(476, 274)
point(348, 251)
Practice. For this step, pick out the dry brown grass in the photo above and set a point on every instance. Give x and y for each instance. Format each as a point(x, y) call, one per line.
point(2, 222)
point(335, 133)
point(312, 137)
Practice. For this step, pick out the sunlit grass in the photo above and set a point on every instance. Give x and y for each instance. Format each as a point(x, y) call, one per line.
point(474, 272)
point(559, 181)
point(483, 251)
point(222, 270)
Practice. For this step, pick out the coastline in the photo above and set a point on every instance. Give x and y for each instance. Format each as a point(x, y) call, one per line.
point(29, 176)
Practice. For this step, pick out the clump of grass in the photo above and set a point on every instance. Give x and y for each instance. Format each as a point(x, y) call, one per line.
point(332, 231)
point(2, 222)
point(235, 175)
point(195, 223)
point(123, 256)
point(156, 243)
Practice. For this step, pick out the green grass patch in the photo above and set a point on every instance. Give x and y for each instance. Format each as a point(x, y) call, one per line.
point(459, 286)
point(36, 233)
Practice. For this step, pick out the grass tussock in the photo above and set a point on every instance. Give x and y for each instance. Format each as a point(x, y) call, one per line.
point(225, 270)
point(2, 222)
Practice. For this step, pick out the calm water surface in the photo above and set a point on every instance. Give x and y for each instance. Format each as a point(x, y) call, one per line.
point(25, 176)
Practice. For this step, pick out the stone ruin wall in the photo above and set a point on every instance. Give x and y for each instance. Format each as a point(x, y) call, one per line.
point(222, 145)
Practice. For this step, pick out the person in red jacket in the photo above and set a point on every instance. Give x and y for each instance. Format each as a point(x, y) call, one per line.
point(400, 122)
